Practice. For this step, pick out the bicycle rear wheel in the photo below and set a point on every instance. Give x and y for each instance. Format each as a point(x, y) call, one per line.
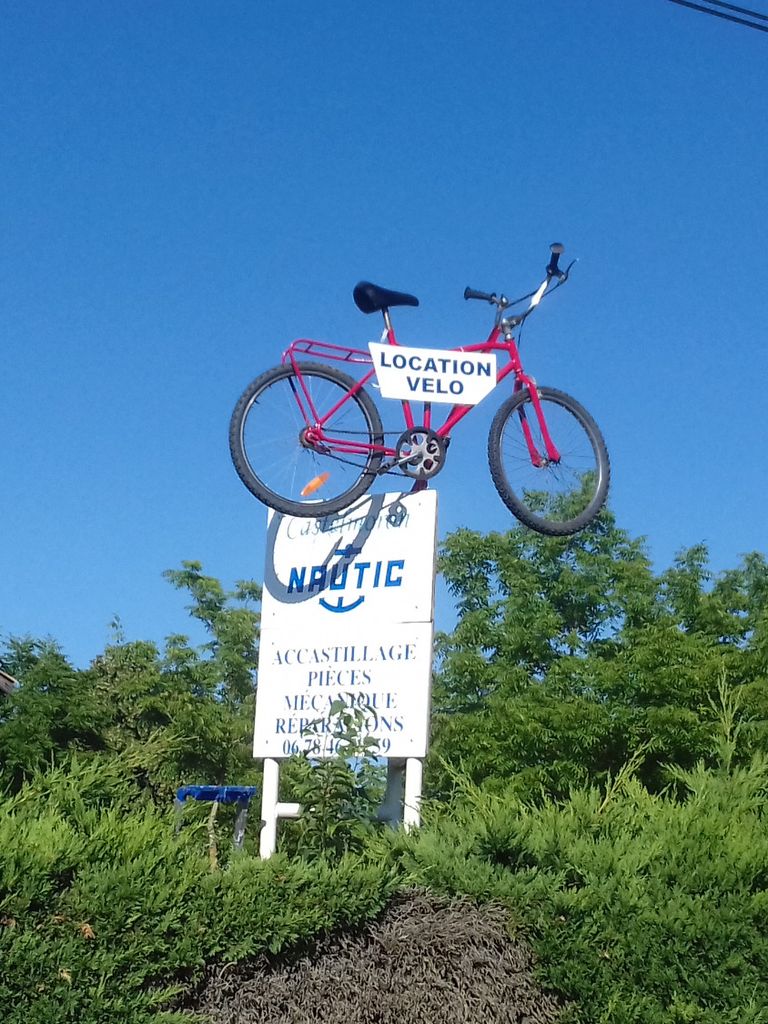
point(559, 497)
point(276, 462)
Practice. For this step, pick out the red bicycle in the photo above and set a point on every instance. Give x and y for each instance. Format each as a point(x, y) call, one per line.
point(307, 439)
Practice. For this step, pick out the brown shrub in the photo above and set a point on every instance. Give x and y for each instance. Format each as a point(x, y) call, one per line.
point(427, 959)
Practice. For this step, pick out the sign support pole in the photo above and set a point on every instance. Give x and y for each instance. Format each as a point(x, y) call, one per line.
point(391, 810)
point(269, 786)
point(414, 771)
point(272, 809)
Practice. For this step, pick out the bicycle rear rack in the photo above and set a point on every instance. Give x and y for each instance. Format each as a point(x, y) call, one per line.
point(324, 350)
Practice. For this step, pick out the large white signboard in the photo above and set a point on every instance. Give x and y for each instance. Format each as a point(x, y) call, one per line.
point(347, 616)
point(433, 374)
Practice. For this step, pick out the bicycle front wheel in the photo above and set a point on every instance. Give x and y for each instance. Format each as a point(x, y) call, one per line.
point(284, 468)
point(558, 496)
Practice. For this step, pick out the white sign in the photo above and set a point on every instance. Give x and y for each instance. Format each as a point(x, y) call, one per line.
point(433, 374)
point(347, 611)
point(384, 671)
point(374, 561)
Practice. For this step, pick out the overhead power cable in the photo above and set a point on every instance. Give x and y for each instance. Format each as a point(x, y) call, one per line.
point(739, 10)
point(727, 17)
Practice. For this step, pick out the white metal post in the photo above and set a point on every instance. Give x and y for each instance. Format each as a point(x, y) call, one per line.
point(240, 822)
point(272, 809)
point(269, 788)
point(414, 773)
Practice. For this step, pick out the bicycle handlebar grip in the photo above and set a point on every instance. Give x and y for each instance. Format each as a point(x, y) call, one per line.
point(473, 293)
point(557, 249)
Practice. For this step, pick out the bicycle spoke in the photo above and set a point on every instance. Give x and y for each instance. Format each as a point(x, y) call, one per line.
point(279, 457)
point(555, 496)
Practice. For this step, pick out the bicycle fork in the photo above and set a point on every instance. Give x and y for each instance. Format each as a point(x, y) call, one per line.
point(537, 458)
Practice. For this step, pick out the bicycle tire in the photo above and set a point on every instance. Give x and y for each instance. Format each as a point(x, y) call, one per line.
point(292, 462)
point(579, 480)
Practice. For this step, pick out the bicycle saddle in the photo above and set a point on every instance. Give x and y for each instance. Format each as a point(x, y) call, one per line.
point(369, 298)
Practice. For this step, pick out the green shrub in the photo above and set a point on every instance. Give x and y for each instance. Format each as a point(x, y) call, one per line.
point(641, 907)
point(106, 914)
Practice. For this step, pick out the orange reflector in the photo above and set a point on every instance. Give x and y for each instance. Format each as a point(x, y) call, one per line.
point(315, 484)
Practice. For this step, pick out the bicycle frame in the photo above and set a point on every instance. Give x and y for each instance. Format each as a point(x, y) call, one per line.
point(499, 340)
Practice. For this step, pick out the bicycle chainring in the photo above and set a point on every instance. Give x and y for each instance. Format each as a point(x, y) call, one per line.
point(420, 453)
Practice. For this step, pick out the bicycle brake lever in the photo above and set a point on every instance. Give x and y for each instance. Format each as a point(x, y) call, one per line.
point(564, 273)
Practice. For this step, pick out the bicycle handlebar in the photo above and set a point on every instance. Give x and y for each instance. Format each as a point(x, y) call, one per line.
point(473, 293)
point(553, 270)
point(557, 249)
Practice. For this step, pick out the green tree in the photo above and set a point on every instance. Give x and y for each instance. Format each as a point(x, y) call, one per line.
point(183, 714)
point(570, 654)
point(228, 661)
point(55, 709)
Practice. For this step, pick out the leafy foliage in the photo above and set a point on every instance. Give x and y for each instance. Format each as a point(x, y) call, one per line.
point(643, 908)
point(599, 758)
point(572, 653)
point(106, 914)
point(183, 715)
point(339, 795)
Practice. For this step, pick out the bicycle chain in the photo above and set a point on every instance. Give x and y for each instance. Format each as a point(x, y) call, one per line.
point(394, 469)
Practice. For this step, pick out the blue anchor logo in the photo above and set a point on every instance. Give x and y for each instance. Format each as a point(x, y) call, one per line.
point(348, 552)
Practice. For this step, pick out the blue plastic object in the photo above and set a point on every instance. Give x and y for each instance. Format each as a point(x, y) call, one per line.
point(224, 794)
point(240, 795)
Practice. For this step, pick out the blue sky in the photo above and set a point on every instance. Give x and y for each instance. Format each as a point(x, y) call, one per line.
point(187, 186)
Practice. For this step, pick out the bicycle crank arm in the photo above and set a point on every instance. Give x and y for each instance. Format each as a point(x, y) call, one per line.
point(391, 464)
